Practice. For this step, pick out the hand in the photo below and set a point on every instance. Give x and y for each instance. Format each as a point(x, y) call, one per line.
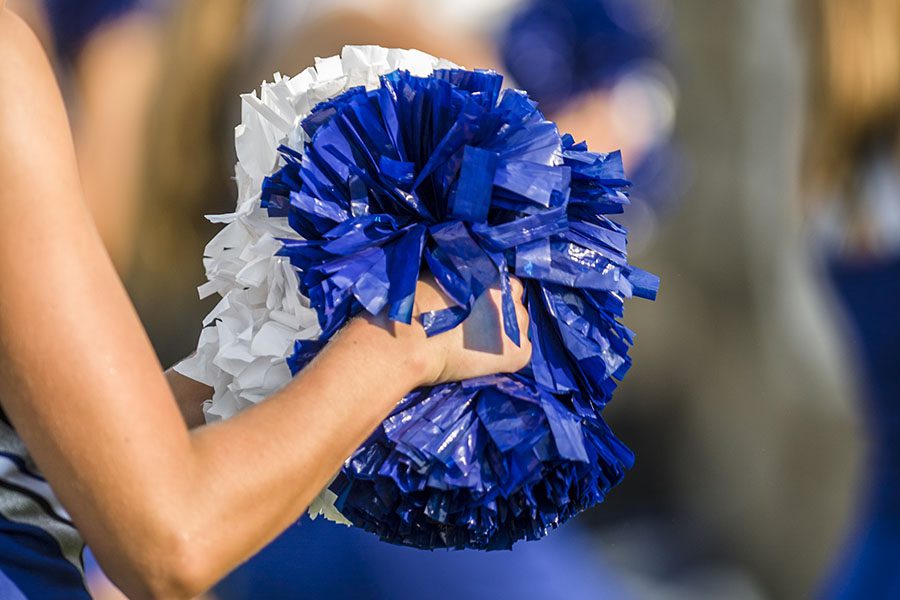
point(477, 347)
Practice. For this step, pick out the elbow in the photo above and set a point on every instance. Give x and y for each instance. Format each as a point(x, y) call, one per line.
point(172, 570)
point(177, 581)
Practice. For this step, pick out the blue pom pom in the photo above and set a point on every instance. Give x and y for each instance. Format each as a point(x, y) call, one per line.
point(450, 174)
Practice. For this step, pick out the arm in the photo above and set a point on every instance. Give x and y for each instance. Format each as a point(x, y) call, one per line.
point(167, 511)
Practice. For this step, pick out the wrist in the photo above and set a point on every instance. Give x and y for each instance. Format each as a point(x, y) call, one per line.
point(397, 351)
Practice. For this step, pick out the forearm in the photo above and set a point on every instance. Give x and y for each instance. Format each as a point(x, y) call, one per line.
point(301, 435)
point(231, 497)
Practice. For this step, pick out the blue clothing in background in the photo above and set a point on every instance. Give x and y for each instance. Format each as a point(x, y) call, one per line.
point(557, 49)
point(870, 294)
point(318, 559)
point(73, 21)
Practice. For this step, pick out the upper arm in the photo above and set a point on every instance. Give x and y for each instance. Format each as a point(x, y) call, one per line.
point(78, 378)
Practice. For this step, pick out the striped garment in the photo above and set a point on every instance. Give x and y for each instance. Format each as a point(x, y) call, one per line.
point(40, 549)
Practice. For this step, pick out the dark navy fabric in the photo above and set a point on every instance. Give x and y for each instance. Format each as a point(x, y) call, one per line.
point(870, 294)
point(73, 21)
point(557, 49)
point(32, 562)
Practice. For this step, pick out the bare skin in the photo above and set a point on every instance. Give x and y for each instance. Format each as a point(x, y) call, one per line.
point(168, 510)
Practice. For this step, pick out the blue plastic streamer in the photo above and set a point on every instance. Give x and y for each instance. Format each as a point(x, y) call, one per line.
point(450, 174)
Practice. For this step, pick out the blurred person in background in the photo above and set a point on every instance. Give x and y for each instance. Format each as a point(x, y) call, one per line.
point(741, 417)
point(852, 197)
point(603, 68)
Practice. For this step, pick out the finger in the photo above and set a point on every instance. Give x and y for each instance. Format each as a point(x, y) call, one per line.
point(516, 287)
point(522, 318)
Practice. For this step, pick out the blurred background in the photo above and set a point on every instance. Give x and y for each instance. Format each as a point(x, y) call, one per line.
point(763, 139)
